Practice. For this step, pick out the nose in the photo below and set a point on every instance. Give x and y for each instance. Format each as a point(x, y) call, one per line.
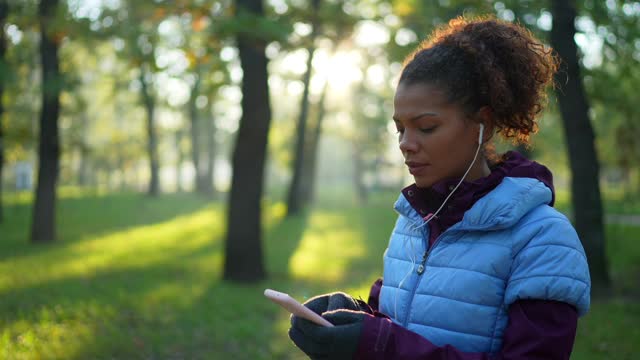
point(408, 142)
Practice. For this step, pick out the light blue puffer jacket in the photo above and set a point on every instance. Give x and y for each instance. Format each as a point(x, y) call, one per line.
point(509, 246)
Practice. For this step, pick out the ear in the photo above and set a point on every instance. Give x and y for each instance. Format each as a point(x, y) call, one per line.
point(485, 116)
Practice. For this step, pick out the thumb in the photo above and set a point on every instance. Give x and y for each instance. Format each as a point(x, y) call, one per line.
point(344, 317)
point(317, 304)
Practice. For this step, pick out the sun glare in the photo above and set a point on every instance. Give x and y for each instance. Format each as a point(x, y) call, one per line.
point(342, 70)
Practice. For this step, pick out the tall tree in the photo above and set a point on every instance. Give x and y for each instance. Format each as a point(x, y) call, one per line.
point(22, 88)
point(194, 120)
point(295, 196)
point(149, 101)
point(336, 26)
point(210, 130)
point(136, 25)
point(243, 246)
point(204, 37)
point(617, 76)
point(369, 130)
point(202, 130)
point(574, 107)
point(311, 150)
point(180, 159)
point(43, 224)
point(4, 12)
point(83, 151)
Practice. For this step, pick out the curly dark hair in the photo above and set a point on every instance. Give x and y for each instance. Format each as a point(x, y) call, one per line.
point(484, 61)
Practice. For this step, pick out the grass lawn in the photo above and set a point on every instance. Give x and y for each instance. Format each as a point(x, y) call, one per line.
point(138, 278)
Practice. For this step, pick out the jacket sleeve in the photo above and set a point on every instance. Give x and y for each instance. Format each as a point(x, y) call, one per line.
point(551, 265)
point(537, 329)
point(374, 295)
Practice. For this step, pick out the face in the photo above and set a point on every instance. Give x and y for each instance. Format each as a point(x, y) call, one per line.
point(437, 139)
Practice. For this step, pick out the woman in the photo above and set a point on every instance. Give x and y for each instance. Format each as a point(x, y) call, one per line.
point(479, 264)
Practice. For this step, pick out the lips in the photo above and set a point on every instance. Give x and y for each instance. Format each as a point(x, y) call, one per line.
point(417, 168)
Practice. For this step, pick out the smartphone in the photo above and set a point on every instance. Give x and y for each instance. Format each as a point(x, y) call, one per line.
point(294, 307)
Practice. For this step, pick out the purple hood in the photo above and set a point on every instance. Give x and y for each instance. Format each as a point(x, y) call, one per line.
point(511, 164)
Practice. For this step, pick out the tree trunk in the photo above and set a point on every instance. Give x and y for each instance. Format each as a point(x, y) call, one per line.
point(243, 246)
point(295, 196)
point(310, 167)
point(120, 170)
point(152, 139)
point(195, 136)
point(83, 174)
point(43, 224)
point(179, 161)
point(585, 189)
point(210, 130)
point(358, 173)
point(83, 167)
point(4, 12)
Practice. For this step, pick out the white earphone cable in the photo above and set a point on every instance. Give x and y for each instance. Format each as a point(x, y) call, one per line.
point(426, 221)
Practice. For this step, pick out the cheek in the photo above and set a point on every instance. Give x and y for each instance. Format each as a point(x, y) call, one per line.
point(439, 144)
point(448, 152)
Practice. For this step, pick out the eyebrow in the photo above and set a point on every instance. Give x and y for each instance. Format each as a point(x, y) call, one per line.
point(417, 116)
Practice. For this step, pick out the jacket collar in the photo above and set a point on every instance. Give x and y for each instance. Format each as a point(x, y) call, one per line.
point(501, 208)
point(428, 200)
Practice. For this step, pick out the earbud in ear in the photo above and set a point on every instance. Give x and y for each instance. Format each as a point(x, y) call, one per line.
point(480, 133)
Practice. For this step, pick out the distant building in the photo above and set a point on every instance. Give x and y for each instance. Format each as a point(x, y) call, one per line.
point(24, 175)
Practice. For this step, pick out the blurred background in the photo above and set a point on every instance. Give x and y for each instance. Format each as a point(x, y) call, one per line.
point(162, 162)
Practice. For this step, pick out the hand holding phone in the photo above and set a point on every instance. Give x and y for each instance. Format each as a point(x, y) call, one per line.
point(295, 307)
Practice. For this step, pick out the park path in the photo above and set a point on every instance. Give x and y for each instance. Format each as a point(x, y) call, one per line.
point(618, 219)
point(627, 219)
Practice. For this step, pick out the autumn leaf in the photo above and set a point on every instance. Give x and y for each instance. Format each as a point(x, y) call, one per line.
point(200, 23)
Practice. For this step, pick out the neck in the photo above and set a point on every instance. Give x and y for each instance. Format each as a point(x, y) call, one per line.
point(479, 170)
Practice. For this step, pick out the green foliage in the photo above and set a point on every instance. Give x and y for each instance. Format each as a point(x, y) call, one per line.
point(253, 26)
point(131, 30)
point(22, 95)
point(139, 277)
point(333, 22)
point(615, 25)
point(421, 17)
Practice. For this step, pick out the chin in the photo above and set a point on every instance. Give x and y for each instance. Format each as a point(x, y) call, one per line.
point(424, 183)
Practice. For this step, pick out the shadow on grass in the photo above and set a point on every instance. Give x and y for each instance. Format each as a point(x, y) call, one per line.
point(133, 311)
point(120, 277)
point(90, 216)
point(170, 304)
point(354, 238)
point(281, 241)
point(376, 223)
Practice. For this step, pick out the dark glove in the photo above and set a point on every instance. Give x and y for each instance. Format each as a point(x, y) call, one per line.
point(335, 301)
point(321, 342)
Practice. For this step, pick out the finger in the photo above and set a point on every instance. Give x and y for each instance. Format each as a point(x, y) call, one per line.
point(340, 300)
point(318, 304)
point(310, 329)
point(344, 317)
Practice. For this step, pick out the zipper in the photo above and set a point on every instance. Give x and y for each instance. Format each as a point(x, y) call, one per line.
point(423, 265)
point(421, 269)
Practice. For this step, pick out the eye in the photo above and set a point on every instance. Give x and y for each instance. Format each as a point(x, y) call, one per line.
point(428, 130)
point(399, 127)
